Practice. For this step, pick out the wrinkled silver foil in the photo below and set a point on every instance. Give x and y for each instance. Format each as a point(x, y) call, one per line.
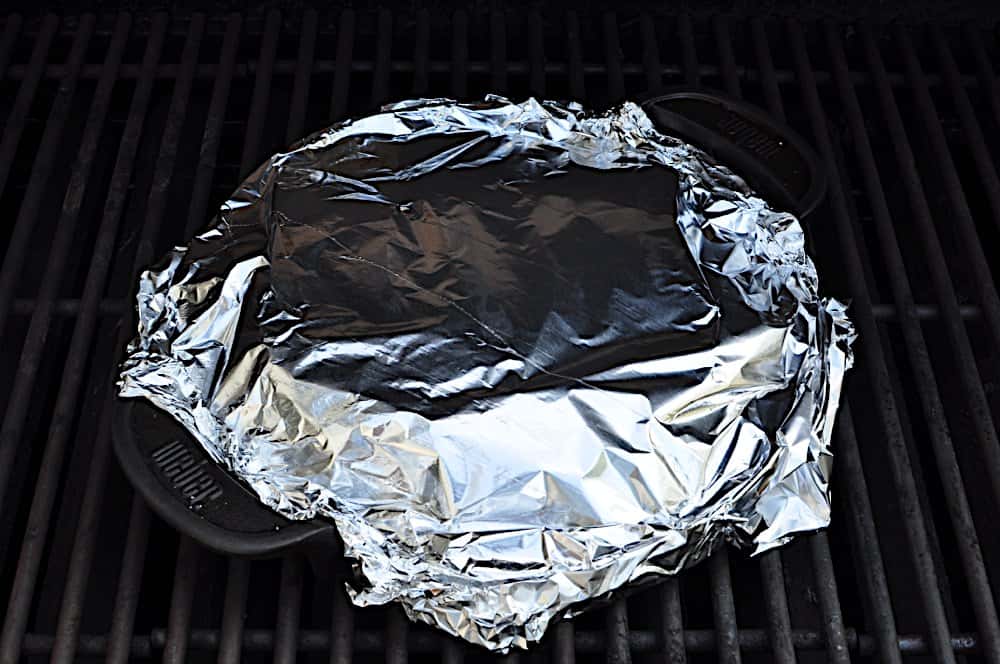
point(520, 354)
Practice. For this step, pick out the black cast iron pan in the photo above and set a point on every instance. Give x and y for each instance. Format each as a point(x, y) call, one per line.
point(201, 500)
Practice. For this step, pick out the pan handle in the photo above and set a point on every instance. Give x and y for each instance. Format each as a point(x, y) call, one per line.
point(769, 155)
point(196, 496)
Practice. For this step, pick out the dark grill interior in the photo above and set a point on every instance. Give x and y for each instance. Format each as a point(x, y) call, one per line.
point(121, 133)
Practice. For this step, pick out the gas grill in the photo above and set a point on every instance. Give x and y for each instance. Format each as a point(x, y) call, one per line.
point(121, 132)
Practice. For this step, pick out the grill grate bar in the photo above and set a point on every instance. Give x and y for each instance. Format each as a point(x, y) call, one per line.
point(833, 619)
point(869, 552)
point(286, 631)
point(208, 155)
point(564, 652)
point(303, 74)
point(383, 51)
point(129, 586)
point(616, 80)
point(976, 141)
point(181, 600)
point(395, 637)
point(727, 60)
point(698, 641)
point(900, 466)
point(451, 652)
point(617, 631)
point(85, 538)
point(650, 54)
point(342, 630)
point(779, 623)
point(342, 65)
point(498, 50)
point(987, 79)
point(237, 586)
point(459, 54)
point(768, 76)
point(258, 103)
point(11, 28)
point(421, 53)
point(536, 36)
point(14, 126)
point(689, 55)
point(169, 143)
point(577, 88)
point(671, 628)
point(955, 497)
point(724, 608)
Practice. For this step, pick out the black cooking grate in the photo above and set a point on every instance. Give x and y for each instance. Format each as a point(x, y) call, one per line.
point(121, 133)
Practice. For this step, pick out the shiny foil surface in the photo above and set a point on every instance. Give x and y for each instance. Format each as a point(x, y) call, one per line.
point(522, 355)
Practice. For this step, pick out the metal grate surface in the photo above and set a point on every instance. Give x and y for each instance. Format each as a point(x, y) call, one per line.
point(121, 133)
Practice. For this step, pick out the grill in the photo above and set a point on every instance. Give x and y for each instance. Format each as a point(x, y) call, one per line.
point(121, 133)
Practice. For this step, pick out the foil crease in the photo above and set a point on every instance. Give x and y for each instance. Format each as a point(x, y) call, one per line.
point(358, 337)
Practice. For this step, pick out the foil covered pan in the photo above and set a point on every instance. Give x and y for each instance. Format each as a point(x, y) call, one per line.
point(522, 355)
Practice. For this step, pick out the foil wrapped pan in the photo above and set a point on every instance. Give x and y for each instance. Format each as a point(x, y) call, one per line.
point(521, 354)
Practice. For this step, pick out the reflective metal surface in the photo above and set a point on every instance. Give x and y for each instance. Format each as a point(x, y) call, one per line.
point(520, 354)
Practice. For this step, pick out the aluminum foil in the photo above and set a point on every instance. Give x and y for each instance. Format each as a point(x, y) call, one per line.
point(522, 355)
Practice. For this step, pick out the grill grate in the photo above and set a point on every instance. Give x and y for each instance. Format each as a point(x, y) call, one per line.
point(121, 132)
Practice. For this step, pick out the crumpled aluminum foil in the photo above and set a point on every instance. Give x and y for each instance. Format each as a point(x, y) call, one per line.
point(522, 355)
